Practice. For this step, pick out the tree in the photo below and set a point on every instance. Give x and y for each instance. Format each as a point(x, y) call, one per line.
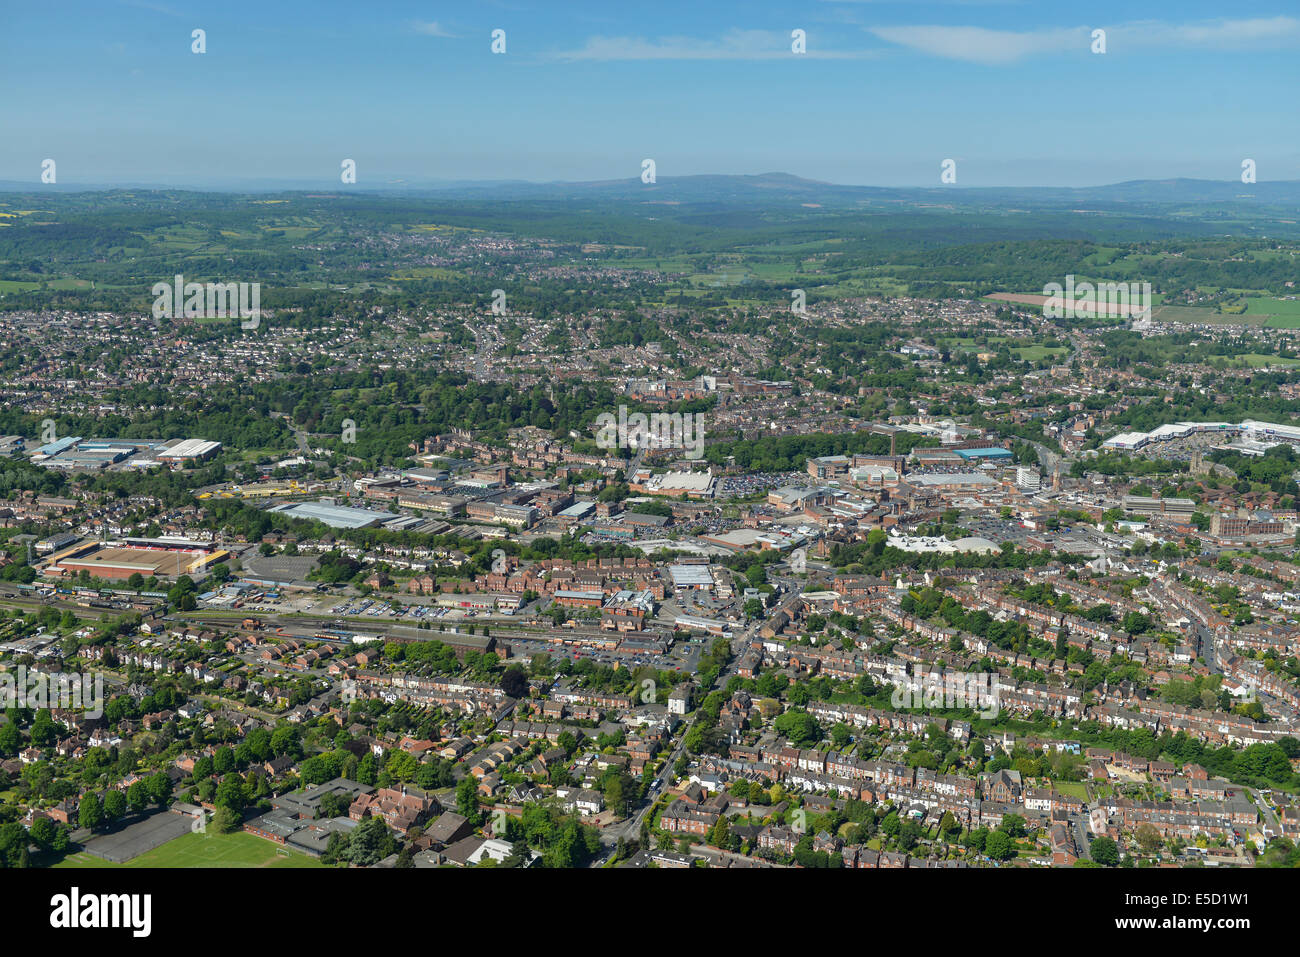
point(799, 727)
point(366, 771)
point(1104, 851)
point(840, 735)
point(371, 842)
point(114, 805)
point(998, 846)
point(13, 845)
point(435, 775)
point(90, 812)
point(226, 819)
point(137, 795)
point(223, 761)
point(230, 793)
point(160, 788)
point(467, 799)
point(11, 739)
point(949, 824)
point(401, 765)
point(1148, 838)
point(1013, 825)
point(332, 805)
point(720, 834)
point(43, 732)
point(42, 831)
point(1135, 623)
point(285, 740)
point(514, 682)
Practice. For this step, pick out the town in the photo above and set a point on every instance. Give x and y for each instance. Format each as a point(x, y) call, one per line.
point(987, 625)
point(707, 438)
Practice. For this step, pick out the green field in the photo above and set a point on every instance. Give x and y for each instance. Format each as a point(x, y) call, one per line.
point(1076, 789)
point(1257, 361)
point(206, 850)
point(1199, 315)
point(1278, 308)
point(1257, 310)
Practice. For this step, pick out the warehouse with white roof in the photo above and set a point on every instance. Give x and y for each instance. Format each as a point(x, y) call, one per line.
point(189, 450)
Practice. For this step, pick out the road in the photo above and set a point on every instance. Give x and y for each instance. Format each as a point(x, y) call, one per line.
point(634, 464)
point(1273, 827)
point(1049, 460)
point(484, 347)
point(630, 829)
point(300, 437)
point(1080, 824)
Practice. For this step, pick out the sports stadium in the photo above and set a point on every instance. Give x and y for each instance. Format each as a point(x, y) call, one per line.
point(157, 558)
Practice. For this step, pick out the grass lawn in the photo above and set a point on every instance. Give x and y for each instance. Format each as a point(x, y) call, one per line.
point(1258, 360)
point(206, 850)
point(1072, 788)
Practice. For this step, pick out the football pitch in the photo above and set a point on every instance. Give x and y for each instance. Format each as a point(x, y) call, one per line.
point(206, 850)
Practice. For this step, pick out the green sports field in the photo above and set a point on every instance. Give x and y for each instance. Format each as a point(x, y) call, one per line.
point(206, 850)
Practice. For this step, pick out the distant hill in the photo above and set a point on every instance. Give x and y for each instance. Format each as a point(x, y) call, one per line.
point(771, 189)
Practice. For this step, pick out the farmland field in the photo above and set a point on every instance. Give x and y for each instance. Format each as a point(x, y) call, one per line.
point(1277, 308)
point(1257, 361)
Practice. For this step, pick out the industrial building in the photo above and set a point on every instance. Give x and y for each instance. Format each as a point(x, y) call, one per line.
point(1146, 505)
point(675, 484)
point(691, 577)
point(993, 453)
point(335, 516)
point(190, 450)
point(75, 453)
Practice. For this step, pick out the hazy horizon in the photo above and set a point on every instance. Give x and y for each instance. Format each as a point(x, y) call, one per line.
point(380, 183)
point(880, 93)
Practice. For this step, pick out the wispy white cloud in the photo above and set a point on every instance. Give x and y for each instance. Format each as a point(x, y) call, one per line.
point(993, 47)
point(431, 28)
point(734, 45)
point(1252, 34)
point(980, 45)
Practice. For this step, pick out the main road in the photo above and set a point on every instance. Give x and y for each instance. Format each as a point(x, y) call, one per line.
point(630, 829)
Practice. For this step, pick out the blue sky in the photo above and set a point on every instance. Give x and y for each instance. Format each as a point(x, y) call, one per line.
point(586, 90)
